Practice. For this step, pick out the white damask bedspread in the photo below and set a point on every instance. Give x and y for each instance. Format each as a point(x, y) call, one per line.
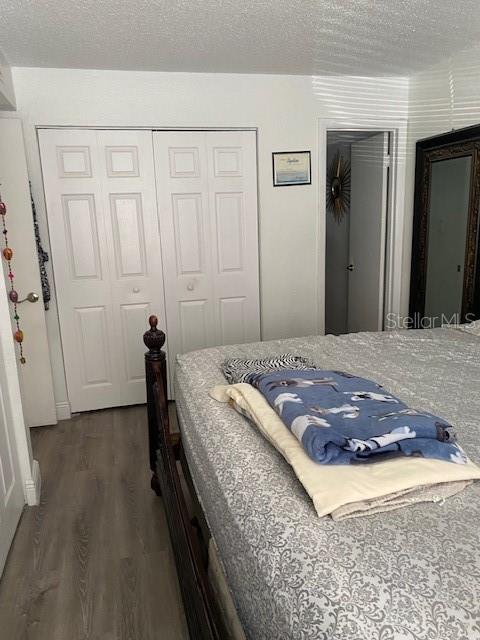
point(411, 574)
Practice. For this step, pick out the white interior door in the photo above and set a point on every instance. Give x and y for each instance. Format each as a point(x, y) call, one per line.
point(101, 206)
point(12, 497)
point(136, 276)
point(232, 193)
point(37, 390)
point(207, 199)
point(11, 491)
point(368, 219)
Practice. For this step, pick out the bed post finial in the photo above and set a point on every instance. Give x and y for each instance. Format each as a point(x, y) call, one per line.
point(155, 378)
point(154, 339)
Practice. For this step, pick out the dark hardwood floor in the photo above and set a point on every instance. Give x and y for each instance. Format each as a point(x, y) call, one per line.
point(94, 560)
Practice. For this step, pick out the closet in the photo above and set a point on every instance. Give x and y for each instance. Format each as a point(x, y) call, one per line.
point(145, 222)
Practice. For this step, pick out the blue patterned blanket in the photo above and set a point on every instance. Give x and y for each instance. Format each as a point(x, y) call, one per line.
point(340, 418)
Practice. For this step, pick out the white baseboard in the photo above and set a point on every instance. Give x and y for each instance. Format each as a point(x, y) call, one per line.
point(33, 486)
point(63, 410)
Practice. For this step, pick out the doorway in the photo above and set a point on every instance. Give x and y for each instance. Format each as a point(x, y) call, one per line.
point(358, 175)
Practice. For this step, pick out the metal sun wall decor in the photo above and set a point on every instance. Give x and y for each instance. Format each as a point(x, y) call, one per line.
point(338, 187)
point(12, 294)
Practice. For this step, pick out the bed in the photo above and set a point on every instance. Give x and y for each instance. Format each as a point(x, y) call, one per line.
point(410, 574)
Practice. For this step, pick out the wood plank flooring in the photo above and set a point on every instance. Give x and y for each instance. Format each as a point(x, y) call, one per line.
point(94, 560)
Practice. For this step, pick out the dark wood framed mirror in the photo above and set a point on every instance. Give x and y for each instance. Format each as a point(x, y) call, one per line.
point(445, 276)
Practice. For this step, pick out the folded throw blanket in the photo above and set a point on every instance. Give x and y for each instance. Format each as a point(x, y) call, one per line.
point(340, 418)
point(345, 491)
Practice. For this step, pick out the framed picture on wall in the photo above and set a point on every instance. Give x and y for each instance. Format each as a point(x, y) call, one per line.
point(291, 167)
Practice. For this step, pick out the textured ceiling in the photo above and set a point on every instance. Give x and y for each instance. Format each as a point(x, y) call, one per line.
point(358, 37)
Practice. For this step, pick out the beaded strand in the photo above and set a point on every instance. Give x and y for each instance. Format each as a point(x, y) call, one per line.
point(12, 294)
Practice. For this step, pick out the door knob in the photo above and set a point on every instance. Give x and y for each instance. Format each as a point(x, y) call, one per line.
point(31, 297)
point(136, 290)
point(350, 267)
point(190, 286)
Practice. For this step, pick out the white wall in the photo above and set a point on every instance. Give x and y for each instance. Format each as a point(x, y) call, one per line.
point(285, 109)
point(443, 97)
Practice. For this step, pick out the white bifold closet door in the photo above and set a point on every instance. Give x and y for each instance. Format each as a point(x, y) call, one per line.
point(103, 227)
point(107, 192)
point(207, 198)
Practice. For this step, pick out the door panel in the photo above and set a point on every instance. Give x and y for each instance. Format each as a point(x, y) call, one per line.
point(193, 325)
point(74, 162)
point(182, 189)
point(11, 493)
point(101, 204)
point(133, 244)
point(207, 198)
point(11, 490)
point(232, 320)
point(188, 226)
point(78, 236)
point(230, 223)
point(128, 234)
point(233, 199)
point(133, 326)
point(81, 236)
point(368, 218)
point(122, 162)
point(184, 161)
point(92, 329)
point(37, 390)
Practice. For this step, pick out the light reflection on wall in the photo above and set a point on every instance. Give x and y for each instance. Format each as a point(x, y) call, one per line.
point(438, 99)
point(445, 96)
point(351, 100)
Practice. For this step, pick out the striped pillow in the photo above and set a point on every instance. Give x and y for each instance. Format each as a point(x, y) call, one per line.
point(236, 370)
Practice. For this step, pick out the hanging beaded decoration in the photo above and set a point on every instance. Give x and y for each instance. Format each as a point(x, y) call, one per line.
point(13, 295)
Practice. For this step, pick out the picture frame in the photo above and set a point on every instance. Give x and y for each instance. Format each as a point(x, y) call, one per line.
point(291, 168)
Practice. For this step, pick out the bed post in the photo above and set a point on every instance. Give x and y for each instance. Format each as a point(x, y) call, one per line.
point(155, 370)
point(203, 616)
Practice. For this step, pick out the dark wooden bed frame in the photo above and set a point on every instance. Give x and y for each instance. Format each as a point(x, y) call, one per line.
point(189, 535)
